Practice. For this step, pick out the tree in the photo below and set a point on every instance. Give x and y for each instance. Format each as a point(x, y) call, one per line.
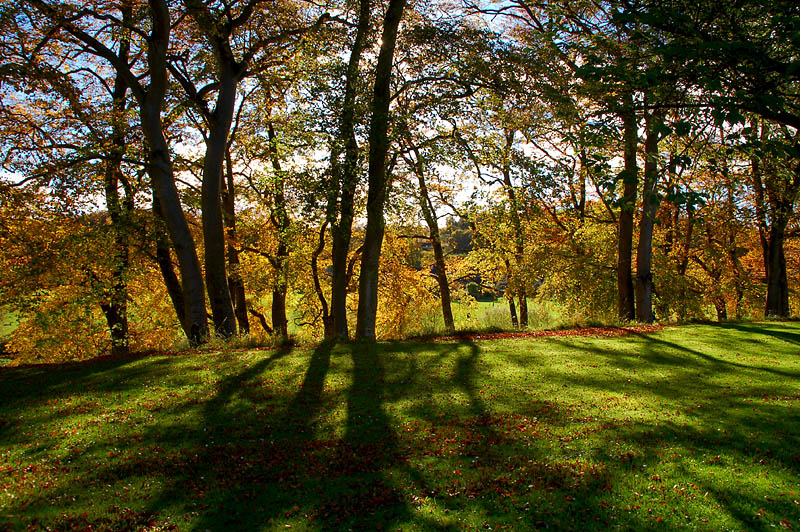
point(376, 196)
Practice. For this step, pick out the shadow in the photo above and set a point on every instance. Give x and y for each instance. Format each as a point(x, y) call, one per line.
point(581, 434)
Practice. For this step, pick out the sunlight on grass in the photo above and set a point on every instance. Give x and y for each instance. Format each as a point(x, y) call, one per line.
point(692, 427)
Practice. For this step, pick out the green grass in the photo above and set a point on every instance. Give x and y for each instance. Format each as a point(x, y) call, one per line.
point(694, 427)
point(8, 323)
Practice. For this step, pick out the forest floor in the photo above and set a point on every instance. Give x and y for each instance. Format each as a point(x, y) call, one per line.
point(690, 427)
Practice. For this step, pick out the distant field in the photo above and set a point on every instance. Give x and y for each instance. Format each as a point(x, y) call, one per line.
point(8, 322)
point(694, 427)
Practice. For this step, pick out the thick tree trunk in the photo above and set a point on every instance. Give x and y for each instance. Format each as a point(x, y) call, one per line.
point(630, 180)
point(235, 281)
point(376, 195)
point(219, 295)
point(159, 166)
point(644, 251)
point(160, 169)
point(429, 214)
point(777, 304)
point(341, 232)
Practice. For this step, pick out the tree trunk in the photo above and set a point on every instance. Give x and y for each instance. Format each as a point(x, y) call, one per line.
point(630, 179)
point(720, 307)
point(219, 295)
point(164, 261)
point(644, 252)
point(235, 281)
point(280, 219)
point(116, 309)
point(376, 196)
point(159, 166)
point(512, 309)
point(777, 304)
point(516, 224)
point(429, 214)
point(342, 231)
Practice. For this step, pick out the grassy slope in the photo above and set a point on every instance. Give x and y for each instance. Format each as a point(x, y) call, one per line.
point(693, 427)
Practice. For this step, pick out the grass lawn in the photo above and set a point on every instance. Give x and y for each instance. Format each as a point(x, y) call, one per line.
point(694, 427)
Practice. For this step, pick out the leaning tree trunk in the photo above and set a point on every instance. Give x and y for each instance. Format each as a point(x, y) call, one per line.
point(644, 252)
point(164, 261)
point(171, 212)
point(341, 232)
point(429, 214)
point(159, 166)
point(235, 281)
point(630, 179)
point(376, 195)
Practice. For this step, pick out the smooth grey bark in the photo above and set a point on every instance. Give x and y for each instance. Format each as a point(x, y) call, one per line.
point(644, 250)
point(341, 232)
point(163, 178)
point(219, 295)
point(630, 180)
point(376, 195)
point(228, 75)
point(150, 99)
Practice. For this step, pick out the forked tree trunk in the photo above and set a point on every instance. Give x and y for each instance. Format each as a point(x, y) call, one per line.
point(341, 232)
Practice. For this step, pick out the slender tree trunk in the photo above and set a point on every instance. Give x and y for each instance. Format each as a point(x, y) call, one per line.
point(512, 309)
point(235, 281)
point(516, 224)
point(342, 231)
point(280, 218)
point(164, 261)
point(429, 213)
point(376, 195)
point(327, 319)
point(630, 180)
point(644, 252)
point(116, 310)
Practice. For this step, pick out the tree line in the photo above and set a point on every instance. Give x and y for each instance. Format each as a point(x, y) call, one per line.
point(224, 149)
